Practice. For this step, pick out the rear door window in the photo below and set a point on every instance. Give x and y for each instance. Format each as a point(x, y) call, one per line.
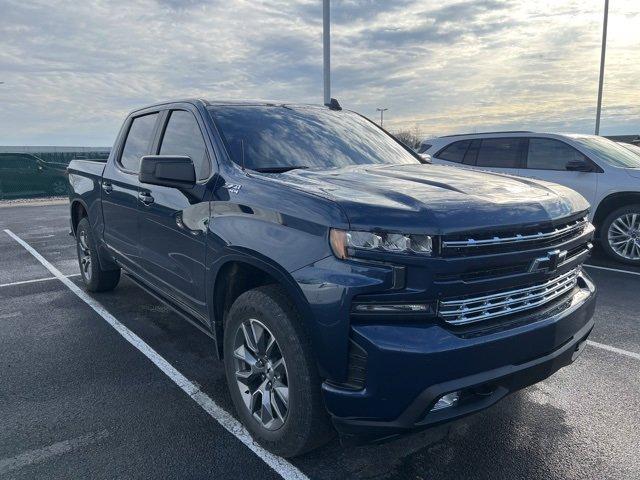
point(550, 154)
point(183, 137)
point(455, 152)
point(500, 152)
point(138, 142)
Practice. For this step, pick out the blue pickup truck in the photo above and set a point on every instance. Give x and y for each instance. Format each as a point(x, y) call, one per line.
point(346, 285)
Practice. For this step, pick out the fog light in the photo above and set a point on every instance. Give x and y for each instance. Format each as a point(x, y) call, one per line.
point(446, 401)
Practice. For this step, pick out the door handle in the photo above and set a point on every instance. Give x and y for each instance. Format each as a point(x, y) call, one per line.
point(146, 198)
point(107, 187)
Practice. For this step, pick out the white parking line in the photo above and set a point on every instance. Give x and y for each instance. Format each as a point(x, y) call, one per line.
point(278, 464)
point(617, 350)
point(54, 450)
point(23, 282)
point(611, 269)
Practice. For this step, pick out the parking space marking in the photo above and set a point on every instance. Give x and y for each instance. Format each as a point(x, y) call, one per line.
point(611, 269)
point(281, 466)
point(10, 315)
point(35, 280)
point(617, 350)
point(39, 455)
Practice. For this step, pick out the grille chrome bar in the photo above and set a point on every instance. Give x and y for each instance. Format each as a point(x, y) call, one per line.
point(476, 309)
point(578, 225)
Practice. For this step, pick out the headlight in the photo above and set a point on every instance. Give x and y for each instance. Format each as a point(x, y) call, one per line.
point(344, 243)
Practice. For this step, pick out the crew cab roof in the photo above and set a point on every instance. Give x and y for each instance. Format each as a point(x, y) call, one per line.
point(208, 102)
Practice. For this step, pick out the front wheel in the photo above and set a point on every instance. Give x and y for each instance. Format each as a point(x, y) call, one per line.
point(95, 278)
point(620, 234)
point(271, 373)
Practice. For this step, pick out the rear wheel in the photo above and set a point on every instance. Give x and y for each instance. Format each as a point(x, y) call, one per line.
point(59, 187)
point(620, 234)
point(272, 375)
point(95, 278)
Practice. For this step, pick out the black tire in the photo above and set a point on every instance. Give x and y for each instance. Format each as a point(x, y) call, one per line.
point(95, 278)
point(307, 424)
point(59, 187)
point(607, 246)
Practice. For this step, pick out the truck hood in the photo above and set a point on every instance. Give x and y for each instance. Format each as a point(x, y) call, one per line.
point(436, 199)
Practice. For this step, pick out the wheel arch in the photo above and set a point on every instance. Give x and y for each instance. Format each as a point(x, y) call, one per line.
point(78, 210)
point(610, 203)
point(247, 270)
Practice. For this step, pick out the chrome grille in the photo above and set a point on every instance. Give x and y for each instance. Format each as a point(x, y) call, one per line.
point(476, 309)
point(506, 241)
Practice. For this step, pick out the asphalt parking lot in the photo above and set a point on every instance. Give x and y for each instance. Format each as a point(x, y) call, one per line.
point(80, 399)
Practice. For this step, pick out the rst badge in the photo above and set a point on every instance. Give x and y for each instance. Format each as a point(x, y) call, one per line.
point(232, 187)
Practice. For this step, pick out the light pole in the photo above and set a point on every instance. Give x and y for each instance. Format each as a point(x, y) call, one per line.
point(381, 110)
point(326, 50)
point(602, 56)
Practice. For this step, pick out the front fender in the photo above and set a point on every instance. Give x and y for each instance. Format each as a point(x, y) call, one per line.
point(259, 261)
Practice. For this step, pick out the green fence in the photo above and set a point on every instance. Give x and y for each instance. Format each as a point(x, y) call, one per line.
point(28, 172)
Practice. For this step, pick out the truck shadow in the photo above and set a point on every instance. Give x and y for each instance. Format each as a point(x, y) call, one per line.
point(518, 438)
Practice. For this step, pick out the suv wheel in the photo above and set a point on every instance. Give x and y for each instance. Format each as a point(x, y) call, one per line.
point(95, 278)
point(620, 234)
point(59, 187)
point(272, 375)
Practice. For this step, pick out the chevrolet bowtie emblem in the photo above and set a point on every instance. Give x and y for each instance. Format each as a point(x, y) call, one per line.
point(549, 263)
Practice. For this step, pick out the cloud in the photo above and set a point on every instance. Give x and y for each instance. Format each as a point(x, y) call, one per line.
point(71, 70)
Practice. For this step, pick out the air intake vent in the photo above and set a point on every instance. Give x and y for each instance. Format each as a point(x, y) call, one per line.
point(357, 373)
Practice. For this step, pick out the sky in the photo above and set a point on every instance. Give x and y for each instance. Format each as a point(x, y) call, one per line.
point(71, 70)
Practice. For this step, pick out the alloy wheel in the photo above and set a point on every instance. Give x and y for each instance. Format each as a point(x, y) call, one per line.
point(261, 374)
point(624, 236)
point(84, 253)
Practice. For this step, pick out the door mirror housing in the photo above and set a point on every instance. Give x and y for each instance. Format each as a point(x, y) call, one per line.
point(579, 166)
point(426, 158)
point(167, 171)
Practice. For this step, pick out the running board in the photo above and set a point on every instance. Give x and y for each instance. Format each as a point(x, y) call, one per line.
point(192, 319)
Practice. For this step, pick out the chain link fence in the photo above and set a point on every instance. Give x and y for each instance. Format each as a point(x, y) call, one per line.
point(30, 172)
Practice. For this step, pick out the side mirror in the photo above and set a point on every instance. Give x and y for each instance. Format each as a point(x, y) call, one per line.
point(426, 158)
point(579, 166)
point(167, 171)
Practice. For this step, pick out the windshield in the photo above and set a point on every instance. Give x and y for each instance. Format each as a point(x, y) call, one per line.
point(276, 137)
point(610, 152)
point(632, 148)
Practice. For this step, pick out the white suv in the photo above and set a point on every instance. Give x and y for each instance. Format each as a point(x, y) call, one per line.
point(605, 173)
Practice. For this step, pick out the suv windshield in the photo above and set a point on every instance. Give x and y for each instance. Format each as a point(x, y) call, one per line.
point(632, 148)
point(277, 138)
point(610, 152)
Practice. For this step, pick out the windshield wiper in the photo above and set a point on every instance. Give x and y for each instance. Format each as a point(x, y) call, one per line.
point(284, 168)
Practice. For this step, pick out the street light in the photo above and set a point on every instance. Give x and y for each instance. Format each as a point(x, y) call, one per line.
point(602, 56)
point(326, 50)
point(381, 110)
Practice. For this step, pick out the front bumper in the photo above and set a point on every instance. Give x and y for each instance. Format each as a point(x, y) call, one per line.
point(410, 367)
